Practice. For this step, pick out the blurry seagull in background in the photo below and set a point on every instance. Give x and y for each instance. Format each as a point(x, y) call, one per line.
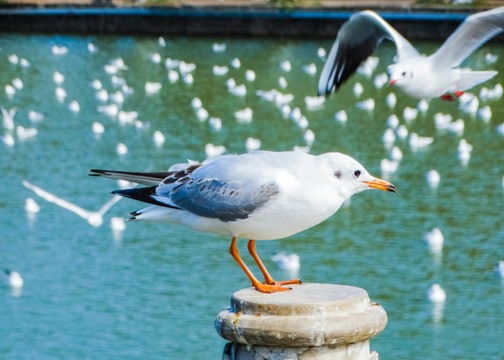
point(435, 240)
point(261, 195)
point(415, 74)
point(94, 218)
point(288, 262)
point(31, 206)
point(13, 279)
point(436, 294)
point(500, 268)
point(433, 178)
point(8, 117)
point(437, 297)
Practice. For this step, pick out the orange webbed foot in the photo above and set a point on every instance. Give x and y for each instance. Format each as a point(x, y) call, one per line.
point(269, 289)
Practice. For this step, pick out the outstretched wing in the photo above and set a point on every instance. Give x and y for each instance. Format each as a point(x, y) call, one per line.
point(356, 41)
point(474, 32)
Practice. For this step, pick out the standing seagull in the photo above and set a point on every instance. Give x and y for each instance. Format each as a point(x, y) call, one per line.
point(415, 74)
point(261, 195)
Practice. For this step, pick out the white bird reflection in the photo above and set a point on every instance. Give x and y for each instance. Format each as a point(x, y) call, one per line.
point(94, 218)
point(437, 311)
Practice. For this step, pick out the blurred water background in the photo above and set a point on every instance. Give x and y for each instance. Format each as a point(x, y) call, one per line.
point(153, 290)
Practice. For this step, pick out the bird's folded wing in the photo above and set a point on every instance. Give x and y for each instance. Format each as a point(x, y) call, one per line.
point(474, 32)
point(215, 199)
point(356, 41)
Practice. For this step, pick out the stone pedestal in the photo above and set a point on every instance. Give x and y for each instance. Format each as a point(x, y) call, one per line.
point(311, 322)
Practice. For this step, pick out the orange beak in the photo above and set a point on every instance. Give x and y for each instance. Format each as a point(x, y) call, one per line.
point(392, 82)
point(381, 184)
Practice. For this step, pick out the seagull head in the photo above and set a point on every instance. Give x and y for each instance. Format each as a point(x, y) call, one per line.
point(351, 177)
point(399, 74)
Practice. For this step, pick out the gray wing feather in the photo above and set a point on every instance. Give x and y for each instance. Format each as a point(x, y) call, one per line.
point(216, 199)
point(474, 32)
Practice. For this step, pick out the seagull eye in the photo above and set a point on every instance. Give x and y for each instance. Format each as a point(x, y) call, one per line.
point(357, 173)
point(403, 74)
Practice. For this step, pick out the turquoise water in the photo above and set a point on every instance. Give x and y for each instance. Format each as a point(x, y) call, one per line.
point(153, 290)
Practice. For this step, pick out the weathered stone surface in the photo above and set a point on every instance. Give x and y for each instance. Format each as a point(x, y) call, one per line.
point(357, 351)
point(311, 315)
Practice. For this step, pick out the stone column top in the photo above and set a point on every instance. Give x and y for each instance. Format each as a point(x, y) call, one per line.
point(305, 299)
point(309, 315)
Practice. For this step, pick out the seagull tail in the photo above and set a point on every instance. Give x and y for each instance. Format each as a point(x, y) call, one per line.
point(469, 79)
point(152, 213)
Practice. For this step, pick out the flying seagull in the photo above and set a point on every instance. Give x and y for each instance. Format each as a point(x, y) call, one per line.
point(260, 195)
point(419, 76)
point(94, 218)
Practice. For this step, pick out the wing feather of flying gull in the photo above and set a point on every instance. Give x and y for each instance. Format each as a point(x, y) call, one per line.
point(476, 30)
point(356, 41)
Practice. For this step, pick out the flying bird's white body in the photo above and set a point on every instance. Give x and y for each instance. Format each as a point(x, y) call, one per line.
point(425, 79)
point(417, 75)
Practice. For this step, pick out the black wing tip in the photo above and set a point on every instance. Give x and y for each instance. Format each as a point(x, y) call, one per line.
point(131, 193)
point(133, 215)
point(325, 93)
point(329, 90)
point(97, 172)
point(143, 194)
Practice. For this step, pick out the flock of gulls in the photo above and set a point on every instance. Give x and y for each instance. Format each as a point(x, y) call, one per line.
point(258, 195)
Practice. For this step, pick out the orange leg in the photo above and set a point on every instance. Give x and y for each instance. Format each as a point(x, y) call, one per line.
point(267, 277)
point(265, 288)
